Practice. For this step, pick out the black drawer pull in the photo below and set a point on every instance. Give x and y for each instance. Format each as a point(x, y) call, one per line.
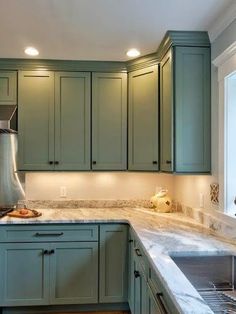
point(45, 252)
point(136, 274)
point(94, 162)
point(58, 234)
point(159, 296)
point(154, 162)
point(56, 162)
point(51, 252)
point(137, 251)
point(168, 162)
point(130, 241)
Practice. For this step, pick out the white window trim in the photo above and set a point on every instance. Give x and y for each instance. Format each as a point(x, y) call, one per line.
point(226, 64)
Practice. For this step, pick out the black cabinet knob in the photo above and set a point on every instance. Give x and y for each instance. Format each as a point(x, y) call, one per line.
point(136, 274)
point(51, 252)
point(130, 241)
point(94, 162)
point(56, 162)
point(45, 252)
point(154, 162)
point(168, 162)
point(50, 162)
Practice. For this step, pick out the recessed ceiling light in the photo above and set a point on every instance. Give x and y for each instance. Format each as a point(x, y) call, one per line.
point(31, 51)
point(133, 53)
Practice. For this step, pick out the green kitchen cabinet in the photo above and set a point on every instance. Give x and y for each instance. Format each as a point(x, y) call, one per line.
point(144, 119)
point(24, 274)
point(36, 120)
point(113, 282)
point(74, 273)
point(185, 105)
point(109, 121)
point(8, 87)
point(72, 121)
point(54, 120)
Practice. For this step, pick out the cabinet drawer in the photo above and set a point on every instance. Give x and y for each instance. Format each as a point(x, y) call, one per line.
point(47, 233)
point(141, 257)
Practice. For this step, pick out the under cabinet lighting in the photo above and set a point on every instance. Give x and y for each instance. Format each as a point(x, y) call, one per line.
point(133, 53)
point(31, 51)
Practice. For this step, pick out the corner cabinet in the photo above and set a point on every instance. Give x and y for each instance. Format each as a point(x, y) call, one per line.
point(143, 119)
point(54, 120)
point(185, 110)
point(109, 121)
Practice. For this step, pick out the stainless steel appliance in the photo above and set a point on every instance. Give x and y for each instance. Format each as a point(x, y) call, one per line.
point(214, 277)
point(11, 190)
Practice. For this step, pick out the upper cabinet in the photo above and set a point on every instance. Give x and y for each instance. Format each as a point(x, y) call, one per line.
point(143, 119)
point(79, 119)
point(36, 120)
point(109, 121)
point(54, 120)
point(72, 120)
point(8, 87)
point(185, 106)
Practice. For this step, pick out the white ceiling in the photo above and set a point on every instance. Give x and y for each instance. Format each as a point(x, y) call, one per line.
point(98, 29)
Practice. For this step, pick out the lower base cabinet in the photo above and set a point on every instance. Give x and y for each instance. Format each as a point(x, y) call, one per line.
point(56, 265)
point(55, 273)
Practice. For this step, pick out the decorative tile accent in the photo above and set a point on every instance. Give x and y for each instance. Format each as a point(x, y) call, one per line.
point(214, 193)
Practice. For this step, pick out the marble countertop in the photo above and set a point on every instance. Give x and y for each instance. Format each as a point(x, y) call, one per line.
point(161, 235)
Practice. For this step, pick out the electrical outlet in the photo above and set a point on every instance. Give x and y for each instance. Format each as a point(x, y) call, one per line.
point(201, 200)
point(63, 191)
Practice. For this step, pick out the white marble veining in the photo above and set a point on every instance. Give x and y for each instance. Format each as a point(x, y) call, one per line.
point(161, 235)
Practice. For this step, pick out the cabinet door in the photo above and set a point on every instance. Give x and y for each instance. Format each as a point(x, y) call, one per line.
point(140, 289)
point(131, 267)
point(8, 87)
point(113, 264)
point(166, 113)
point(192, 109)
point(74, 273)
point(36, 120)
point(143, 119)
point(24, 274)
point(109, 121)
point(72, 120)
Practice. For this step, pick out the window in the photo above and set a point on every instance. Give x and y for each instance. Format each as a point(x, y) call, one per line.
point(226, 64)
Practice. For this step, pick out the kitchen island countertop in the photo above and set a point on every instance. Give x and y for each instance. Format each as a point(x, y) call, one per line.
point(161, 235)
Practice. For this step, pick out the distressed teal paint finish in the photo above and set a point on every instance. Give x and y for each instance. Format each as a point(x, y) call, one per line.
point(74, 273)
point(143, 119)
point(192, 109)
point(8, 87)
point(24, 274)
point(72, 120)
point(113, 282)
point(166, 113)
point(109, 121)
point(36, 120)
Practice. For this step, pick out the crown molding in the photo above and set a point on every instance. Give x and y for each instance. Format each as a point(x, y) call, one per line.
point(182, 38)
point(142, 62)
point(222, 22)
point(62, 65)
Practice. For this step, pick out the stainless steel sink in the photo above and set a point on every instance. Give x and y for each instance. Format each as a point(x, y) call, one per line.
point(213, 277)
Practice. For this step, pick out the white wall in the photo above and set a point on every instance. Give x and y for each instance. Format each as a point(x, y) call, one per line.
point(95, 185)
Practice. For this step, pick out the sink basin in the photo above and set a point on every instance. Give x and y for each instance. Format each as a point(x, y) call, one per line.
point(213, 277)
